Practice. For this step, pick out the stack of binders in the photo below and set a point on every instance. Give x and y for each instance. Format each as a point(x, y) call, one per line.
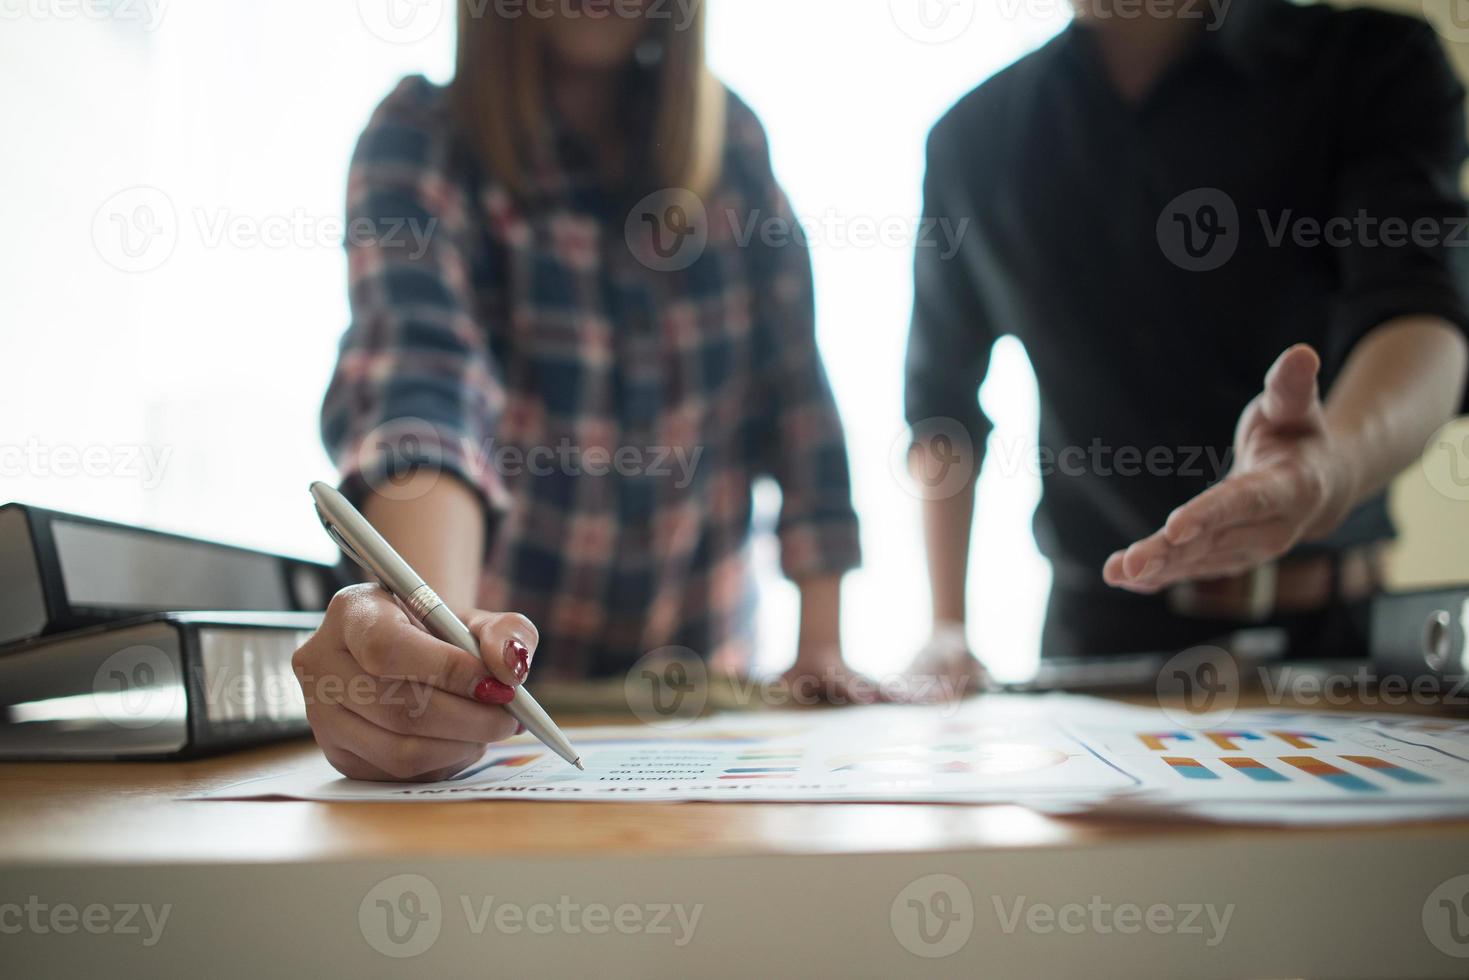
point(113, 644)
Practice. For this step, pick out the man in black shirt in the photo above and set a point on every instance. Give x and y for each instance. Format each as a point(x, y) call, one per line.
point(1166, 211)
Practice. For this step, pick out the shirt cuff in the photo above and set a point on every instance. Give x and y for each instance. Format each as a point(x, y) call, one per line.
point(818, 548)
point(404, 459)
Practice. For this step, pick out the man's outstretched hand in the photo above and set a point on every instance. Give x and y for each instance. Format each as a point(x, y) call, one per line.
point(1288, 483)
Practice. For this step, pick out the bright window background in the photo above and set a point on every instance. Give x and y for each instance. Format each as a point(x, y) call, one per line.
point(174, 290)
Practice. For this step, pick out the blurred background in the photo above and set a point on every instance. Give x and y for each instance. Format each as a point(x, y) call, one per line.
point(174, 285)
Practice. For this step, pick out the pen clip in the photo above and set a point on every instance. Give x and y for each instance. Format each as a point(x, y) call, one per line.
point(335, 535)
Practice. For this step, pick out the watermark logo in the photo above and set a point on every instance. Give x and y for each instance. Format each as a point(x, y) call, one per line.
point(401, 21)
point(932, 21)
point(668, 230)
point(1446, 917)
point(137, 688)
point(401, 916)
point(933, 917)
point(39, 917)
point(148, 14)
point(1102, 917)
point(1198, 230)
point(1200, 687)
point(401, 459)
point(145, 464)
point(1449, 17)
point(668, 687)
point(1445, 462)
point(933, 460)
point(136, 230)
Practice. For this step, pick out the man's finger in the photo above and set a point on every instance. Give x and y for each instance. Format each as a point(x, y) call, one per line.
point(1270, 538)
point(1247, 544)
point(1245, 499)
point(1290, 386)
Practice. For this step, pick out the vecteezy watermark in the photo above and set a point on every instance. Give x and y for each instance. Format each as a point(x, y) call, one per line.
point(1361, 687)
point(933, 917)
point(932, 21)
point(1200, 230)
point(1200, 687)
point(669, 230)
point(833, 229)
point(137, 688)
point(404, 916)
point(680, 12)
point(934, 459)
point(139, 229)
point(39, 917)
point(671, 686)
point(144, 463)
point(401, 916)
point(1445, 462)
point(1446, 917)
point(1211, 12)
point(1449, 17)
point(412, 21)
point(1101, 916)
point(409, 698)
point(403, 458)
point(402, 21)
point(148, 14)
point(136, 230)
point(667, 687)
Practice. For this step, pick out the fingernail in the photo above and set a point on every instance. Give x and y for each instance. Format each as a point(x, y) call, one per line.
point(519, 728)
point(517, 659)
point(491, 691)
point(1151, 568)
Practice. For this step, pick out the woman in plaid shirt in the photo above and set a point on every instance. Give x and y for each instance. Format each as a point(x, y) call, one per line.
point(562, 378)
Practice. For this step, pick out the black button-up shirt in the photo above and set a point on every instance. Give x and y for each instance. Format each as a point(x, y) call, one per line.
point(1293, 178)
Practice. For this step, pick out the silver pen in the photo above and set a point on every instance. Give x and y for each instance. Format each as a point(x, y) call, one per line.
point(361, 543)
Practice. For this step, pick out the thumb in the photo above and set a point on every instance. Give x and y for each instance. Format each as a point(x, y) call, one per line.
point(1290, 386)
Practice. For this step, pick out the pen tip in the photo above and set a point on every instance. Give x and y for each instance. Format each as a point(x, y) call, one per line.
point(578, 764)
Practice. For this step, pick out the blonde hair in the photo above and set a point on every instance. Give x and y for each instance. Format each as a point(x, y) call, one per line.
point(500, 98)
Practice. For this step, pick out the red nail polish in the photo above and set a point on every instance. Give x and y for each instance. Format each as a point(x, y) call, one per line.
point(517, 659)
point(491, 691)
point(519, 728)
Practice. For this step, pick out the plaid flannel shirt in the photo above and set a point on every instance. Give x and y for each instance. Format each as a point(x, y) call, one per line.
point(612, 417)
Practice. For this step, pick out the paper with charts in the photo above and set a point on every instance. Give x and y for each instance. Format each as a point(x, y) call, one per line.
point(1055, 753)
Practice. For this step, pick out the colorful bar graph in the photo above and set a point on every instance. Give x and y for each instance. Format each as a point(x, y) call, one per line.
point(1190, 768)
point(1389, 769)
point(1155, 740)
point(747, 770)
point(1300, 740)
point(507, 762)
point(1226, 740)
point(1255, 769)
point(1322, 769)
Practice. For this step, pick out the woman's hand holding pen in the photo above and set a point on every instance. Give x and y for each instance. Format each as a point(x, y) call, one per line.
point(388, 701)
